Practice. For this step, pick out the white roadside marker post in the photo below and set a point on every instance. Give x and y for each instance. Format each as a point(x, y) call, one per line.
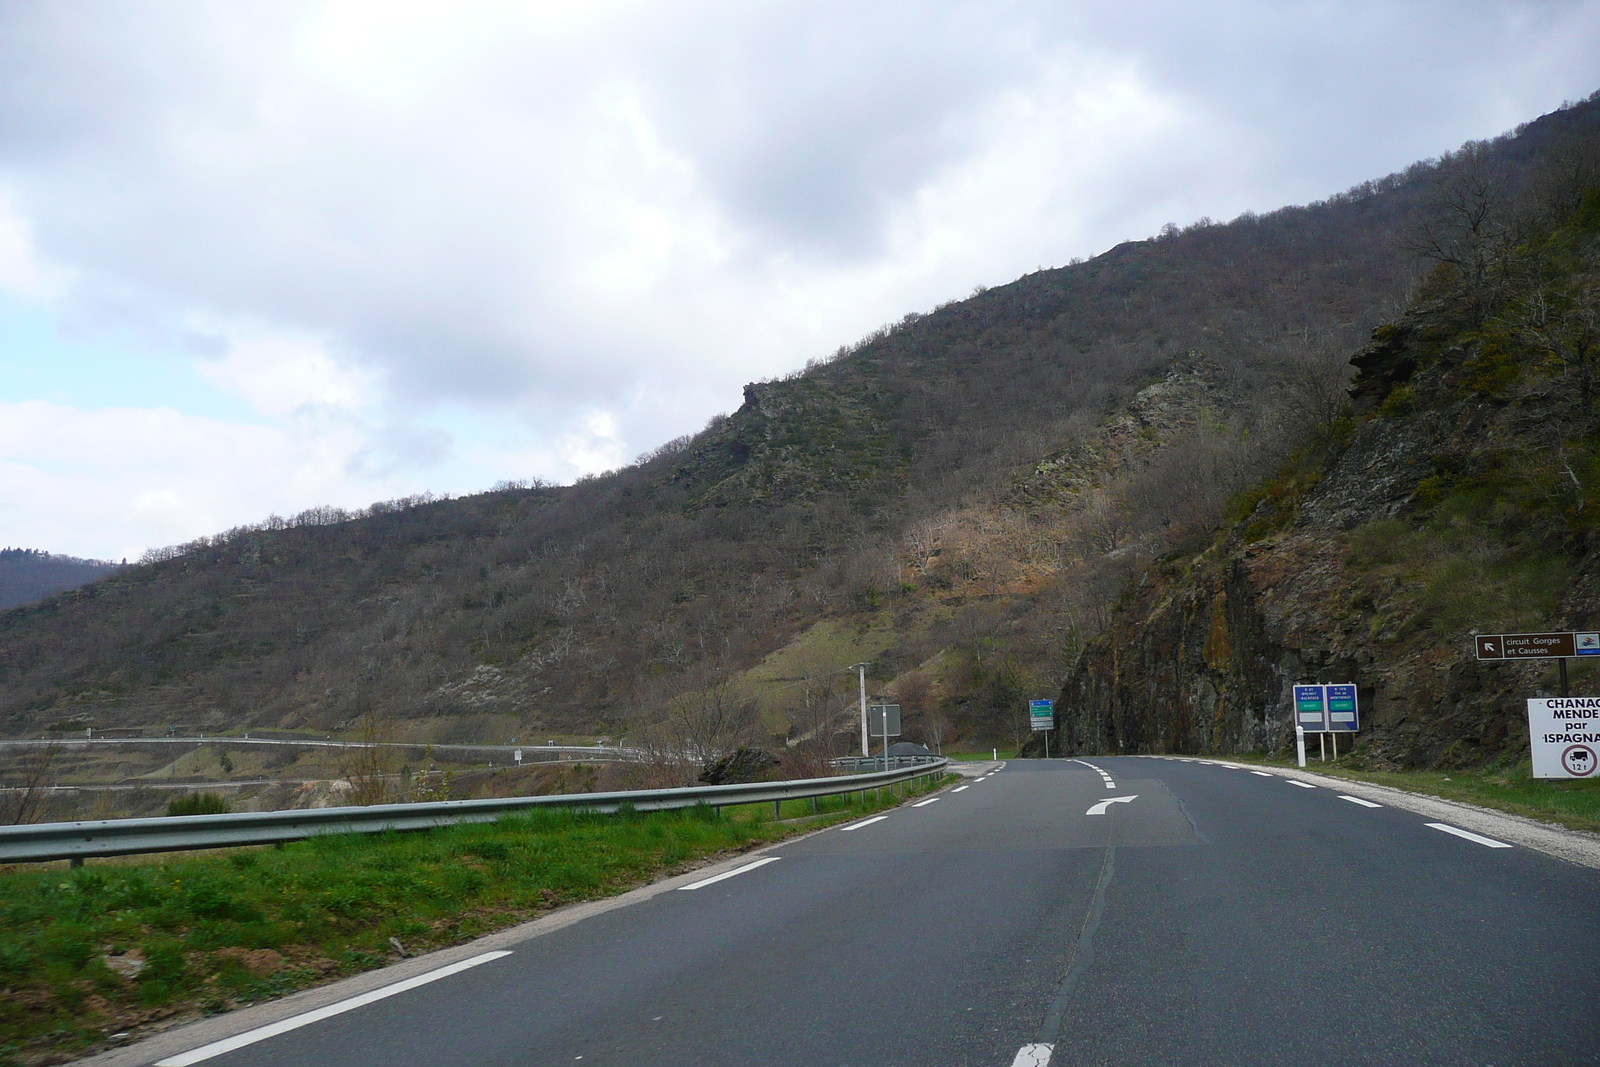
point(1300, 743)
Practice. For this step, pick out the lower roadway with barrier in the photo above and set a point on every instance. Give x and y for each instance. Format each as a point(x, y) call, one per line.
point(76, 841)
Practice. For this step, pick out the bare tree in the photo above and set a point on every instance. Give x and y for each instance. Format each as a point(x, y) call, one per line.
point(370, 764)
point(25, 801)
point(1564, 324)
point(1466, 226)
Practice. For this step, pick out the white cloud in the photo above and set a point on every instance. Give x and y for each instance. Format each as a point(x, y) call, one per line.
point(432, 242)
point(21, 273)
point(284, 374)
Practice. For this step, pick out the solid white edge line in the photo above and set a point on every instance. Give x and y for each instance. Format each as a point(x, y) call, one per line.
point(960, 789)
point(1036, 1055)
point(1358, 800)
point(261, 1033)
point(1468, 834)
point(730, 874)
point(925, 803)
point(863, 822)
point(1302, 785)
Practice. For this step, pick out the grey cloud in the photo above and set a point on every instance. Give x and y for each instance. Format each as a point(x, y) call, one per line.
point(184, 162)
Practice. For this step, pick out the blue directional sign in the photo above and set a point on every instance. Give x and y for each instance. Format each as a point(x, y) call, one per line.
point(1327, 708)
point(1310, 710)
point(1343, 713)
point(1042, 714)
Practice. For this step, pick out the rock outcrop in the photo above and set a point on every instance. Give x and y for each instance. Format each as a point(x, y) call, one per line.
point(1461, 494)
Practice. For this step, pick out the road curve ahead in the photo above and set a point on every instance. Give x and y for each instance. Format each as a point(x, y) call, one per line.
point(1106, 911)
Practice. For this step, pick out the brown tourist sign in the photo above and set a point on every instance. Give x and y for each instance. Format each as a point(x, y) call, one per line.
point(1538, 646)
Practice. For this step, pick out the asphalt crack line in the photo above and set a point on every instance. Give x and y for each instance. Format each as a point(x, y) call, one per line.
point(1083, 953)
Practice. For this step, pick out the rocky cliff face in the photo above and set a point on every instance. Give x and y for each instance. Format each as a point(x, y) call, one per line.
point(1461, 494)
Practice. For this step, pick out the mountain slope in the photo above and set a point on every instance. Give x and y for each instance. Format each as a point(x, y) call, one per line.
point(972, 486)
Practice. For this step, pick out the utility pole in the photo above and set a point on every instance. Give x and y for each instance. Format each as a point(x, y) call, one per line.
point(866, 743)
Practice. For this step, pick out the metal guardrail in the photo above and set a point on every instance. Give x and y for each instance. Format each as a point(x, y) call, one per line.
point(857, 764)
point(121, 837)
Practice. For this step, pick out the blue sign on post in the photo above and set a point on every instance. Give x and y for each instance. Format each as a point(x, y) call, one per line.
point(1343, 714)
point(1310, 710)
point(1327, 708)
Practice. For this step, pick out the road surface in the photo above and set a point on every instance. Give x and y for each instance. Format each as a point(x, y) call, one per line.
point(1105, 911)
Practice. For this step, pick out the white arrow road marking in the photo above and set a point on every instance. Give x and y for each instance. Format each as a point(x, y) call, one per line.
point(1358, 800)
point(863, 822)
point(1469, 835)
point(925, 803)
point(261, 1033)
point(1033, 1056)
point(1100, 808)
point(1302, 785)
point(729, 874)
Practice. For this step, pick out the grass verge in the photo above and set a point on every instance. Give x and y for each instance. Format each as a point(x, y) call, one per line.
point(1574, 804)
point(108, 950)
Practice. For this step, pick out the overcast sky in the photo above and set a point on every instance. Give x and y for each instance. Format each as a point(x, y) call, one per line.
point(257, 257)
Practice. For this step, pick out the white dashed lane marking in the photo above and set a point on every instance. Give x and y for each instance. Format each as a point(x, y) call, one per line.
point(863, 822)
point(1487, 842)
point(961, 789)
point(1302, 785)
point(250, 1037)
point(729, 874)
point(925, 803)
point(1358, 800)
point(1264, 774)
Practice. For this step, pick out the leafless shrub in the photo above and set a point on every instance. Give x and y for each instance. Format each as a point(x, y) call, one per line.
point(24, 802)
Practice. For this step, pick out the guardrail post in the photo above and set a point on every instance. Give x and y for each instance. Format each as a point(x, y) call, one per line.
point(775, 812)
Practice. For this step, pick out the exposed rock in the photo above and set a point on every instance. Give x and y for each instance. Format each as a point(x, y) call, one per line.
point(127, 966)
point(741, 765)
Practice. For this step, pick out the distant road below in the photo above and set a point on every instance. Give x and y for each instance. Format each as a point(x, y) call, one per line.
point(559, 752)
point(1110, 910)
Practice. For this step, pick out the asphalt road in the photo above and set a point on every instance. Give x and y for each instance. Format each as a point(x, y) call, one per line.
point(1218, 917)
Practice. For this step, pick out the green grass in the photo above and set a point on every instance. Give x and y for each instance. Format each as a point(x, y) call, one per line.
point(220, 930)
point(1574, 804)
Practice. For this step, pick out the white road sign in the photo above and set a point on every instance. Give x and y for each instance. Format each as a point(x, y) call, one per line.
point(1564, 733)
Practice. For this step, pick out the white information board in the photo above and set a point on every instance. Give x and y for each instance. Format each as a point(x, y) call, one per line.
point(1564, 733)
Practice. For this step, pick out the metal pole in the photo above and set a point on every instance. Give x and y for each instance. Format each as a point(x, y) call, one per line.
point(1047, 744)
point(1336, 747)
point(1564, 677)
point(1322, 746)
point(866, 745)
point(1300, 743)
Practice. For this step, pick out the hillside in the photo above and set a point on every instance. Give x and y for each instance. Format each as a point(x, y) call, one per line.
point(1460, 494)
point(959, 497)
point(27, 574)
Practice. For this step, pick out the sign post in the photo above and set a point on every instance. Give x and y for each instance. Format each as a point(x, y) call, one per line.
point(1326, 710)
point(1042, 719)
point(1559, 646)
point(885, 719)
